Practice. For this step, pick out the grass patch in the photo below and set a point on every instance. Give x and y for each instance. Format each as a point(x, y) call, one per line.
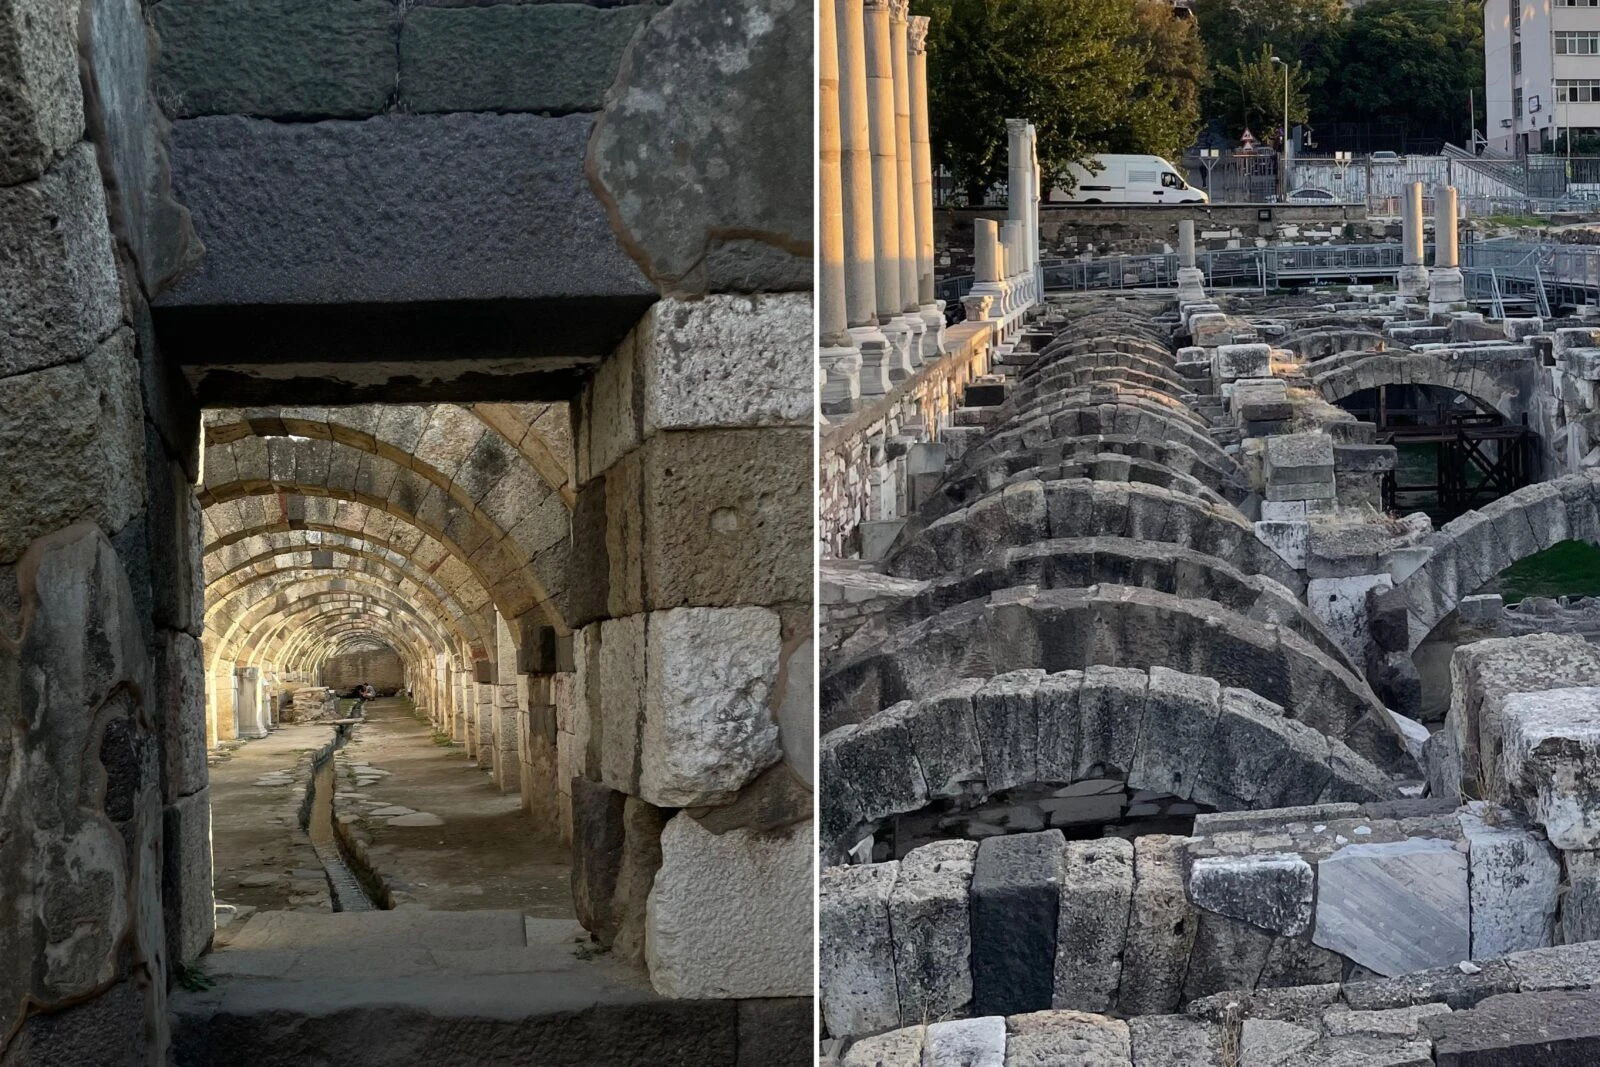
point(1570, 568)
point(443, 739)
point(190, 977)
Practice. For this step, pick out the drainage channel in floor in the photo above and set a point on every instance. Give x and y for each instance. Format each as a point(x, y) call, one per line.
point(348, 890)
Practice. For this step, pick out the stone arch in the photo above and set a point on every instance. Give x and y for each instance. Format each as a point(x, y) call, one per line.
point(1321, 343)
point(1468, 551)
point(1165, 730)
point(1121, 416)
point(1489, 381)
point(1070, 629)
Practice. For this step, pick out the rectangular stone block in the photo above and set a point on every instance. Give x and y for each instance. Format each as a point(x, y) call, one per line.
point(1511, 1030)
point(187, 903)
point(41, 116)
point(1515, 884)
point(931, 923)
point(1299, 457)
point(1551, 761)
point(621, 681)
point(708, 727)
point(278, 59)
point(180, 688)
point(857, 949)
point(597, 846)
point(1161, 928)
point(476, 58)
point(1093, 923)
point(1043, 1038)
point(966, 1043)
point(1016, 898)
point(59, 292)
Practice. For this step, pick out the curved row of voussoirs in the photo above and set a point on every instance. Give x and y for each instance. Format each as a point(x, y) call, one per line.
point(246, 590)
point(1092, 392)
point(1483, 379)
point(1091, 356)
point(1128, 416)
point(238, 529)
point(1077, 375)
point(1069, 629)
point(233, 629)
point(1083, 562)
point(498, 525)
point(1094, 467)
point(1112, 323)
point(1028, 512)
point(1064, 347)
point(1167, 731)
point(294, 640)
point(1319, 342)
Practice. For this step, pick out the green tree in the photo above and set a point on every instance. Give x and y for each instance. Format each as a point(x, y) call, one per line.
point(1165, 114)
point(1250, 95)
point(1309, 32)
point(1413, 60)
point(1082, 71)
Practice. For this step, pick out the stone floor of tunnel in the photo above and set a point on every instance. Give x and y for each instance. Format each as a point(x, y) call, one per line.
point(434, 827)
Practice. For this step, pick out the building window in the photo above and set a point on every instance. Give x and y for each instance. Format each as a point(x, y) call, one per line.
point(1584, 91)
point(1516, 17)
point(1516, 57)
point(1515, 21)
point(1516, 102)
point(1578, 43)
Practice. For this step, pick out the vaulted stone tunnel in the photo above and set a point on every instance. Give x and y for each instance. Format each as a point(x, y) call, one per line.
point(358, 337)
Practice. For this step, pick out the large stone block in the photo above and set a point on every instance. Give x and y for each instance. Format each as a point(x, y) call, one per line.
point(727, 361)
point(857, 949)
point(642, 825)
point(703, 150)
point(187, 904)
point(1016, 898)
point(180, 707)
point(966, 1043)
point(1516, 883)
point(1093, 923)
point(1510, 1030)
point(280, 59)
point(931, 922)
point(730, 914)
point(597, 846)
point(1161, 928)
point(726, 518)
point(1551, 761)
point(1396, 906)
point(394, 208)
point(41, 114)
point(1046, 1038)
point(622, 682)
point(58, 278)
point(71, 445)
point(708, 728)
point(1272, 891)
point(477, 58)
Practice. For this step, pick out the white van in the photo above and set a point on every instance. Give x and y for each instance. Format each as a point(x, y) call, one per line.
point(1129, 180)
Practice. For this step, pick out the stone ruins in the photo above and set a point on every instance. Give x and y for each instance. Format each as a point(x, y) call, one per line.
point(465, 351)
point(1157, 730)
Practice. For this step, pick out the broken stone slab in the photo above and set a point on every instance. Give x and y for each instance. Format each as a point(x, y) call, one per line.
point(1271, 1042)
point(930, 922)
point(1016, 898)
point(898, 1048)
point(1561, 967)
point(1237, 360)
point(417, 818)
point(1515, 880)
point(1093, 923)
point(1299, 457)
point(966, 1043)
point(1174, 1041)
point(1396, 906)
point(1445, 985)
point(1551, 760)
point(1270, 890)
point(1387, 1022)
point(1580, 908)
point(1049, 1038)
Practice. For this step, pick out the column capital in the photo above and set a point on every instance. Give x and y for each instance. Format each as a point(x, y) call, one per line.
point(1017, 127)
point(875, 5)
point(898, 9)
point(917, 34)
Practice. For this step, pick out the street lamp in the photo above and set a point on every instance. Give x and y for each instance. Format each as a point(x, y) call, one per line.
point(1283, 177)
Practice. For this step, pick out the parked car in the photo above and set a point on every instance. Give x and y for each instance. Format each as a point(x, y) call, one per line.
point(1310, 196)
point(1384, 157)
point(1120, 179)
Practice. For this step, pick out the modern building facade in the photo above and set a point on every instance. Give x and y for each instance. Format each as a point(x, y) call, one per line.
point(1542, 72)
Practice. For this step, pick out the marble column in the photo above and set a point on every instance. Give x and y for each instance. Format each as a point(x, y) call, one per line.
point(885, 186)
point(931, 309)
point(1446, 289)
point(1036, 195)
point(899, 42)
point(1191, 281)
point(838, 359)
point(1019, 179)
point(1412, 280)
point(986, 298)
point(855, 138)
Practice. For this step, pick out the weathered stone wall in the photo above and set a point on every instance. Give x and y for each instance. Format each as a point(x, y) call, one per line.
point(381, 669)
point(1109, 230)
point(867, 465)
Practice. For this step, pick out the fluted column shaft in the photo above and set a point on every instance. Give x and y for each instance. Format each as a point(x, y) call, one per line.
point(898, 42)
point(885, 164)
point(855, 139)
point(921, 156)
point(833, 323)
